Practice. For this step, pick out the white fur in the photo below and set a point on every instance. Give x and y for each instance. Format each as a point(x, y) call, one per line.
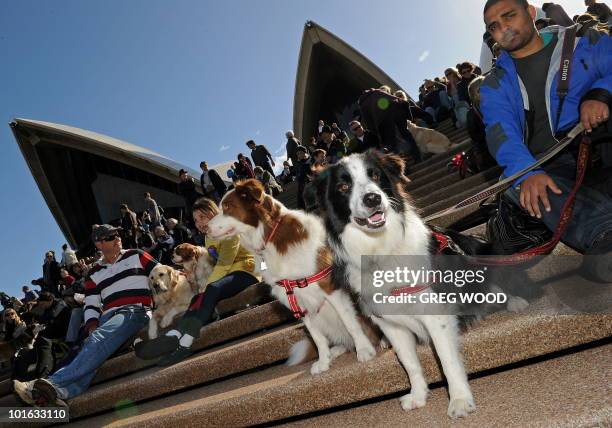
point(403, 236)
point(331, 319)
point(429, 140)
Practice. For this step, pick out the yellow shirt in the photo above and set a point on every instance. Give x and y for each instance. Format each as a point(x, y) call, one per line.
point(232, 257)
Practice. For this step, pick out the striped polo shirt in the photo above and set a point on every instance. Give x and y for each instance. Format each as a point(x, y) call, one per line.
point(112, 285)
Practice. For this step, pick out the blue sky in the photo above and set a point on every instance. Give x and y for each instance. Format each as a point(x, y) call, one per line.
point(192, 80)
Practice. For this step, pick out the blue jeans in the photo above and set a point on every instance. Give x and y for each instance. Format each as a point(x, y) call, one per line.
point(76, 319)
point(592, 215)
point(115, 328)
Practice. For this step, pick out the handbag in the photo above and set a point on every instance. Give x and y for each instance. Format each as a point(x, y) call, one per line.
point(512, 230)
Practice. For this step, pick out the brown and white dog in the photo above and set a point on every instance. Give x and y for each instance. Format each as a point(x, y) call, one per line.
point(429, 140)
point(172, 294)
point(196, 263)
point(293, 245)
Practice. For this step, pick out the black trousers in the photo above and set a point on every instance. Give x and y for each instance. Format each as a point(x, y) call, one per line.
point(203, 305)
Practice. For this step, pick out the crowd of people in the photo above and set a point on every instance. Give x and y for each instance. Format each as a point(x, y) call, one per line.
point(88, 308)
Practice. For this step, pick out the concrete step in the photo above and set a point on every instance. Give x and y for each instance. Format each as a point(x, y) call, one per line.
point(240, 325)
point(270, 394)
point(255, 351)
point(450, 189)
point(435, 161)
point(568, 391)
point(288, 194)
point(452, 200)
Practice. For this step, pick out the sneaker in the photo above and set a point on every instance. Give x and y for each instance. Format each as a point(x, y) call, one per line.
point(46, 394)
point(176, 357)
point(151, 349)
point(23, 390)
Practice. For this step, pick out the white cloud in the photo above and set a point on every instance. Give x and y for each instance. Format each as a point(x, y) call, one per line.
point(224, 148)
point(278, 160)
point(281, 148)
point(424, 56)
point(258, 132)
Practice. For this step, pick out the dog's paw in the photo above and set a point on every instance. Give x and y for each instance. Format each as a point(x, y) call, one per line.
point(516, 304)
point(384, 343)
point(319, 367)
point(460, 407)
point(414, 400)
point(165, 323)
point(366, 353)
point(336, 351)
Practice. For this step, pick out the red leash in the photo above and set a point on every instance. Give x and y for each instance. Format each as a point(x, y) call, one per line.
point(290, 284)
point(564, 219)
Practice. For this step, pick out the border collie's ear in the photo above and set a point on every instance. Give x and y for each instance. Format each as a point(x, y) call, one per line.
point(392, 164)
point(250, 189)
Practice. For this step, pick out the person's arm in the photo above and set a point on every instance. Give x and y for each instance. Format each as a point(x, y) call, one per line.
point(147, 261)
point(227, 251)
point(594, 107)
point(505, 142)
point(268, 155)
point(503, 130)
point(93, 305)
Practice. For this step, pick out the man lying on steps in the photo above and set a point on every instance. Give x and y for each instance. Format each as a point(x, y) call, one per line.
point(117, 306)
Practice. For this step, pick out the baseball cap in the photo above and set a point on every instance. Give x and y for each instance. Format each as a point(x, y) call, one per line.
point(102, 231)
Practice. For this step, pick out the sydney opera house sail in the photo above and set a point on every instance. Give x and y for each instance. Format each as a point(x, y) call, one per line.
point(331, 76)
point(84, 176)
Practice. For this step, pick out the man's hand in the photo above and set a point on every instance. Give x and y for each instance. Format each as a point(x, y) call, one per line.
point(533, 189)
point(593, 113)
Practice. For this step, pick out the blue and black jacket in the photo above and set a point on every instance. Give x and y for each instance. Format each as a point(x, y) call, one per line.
point(504, 100)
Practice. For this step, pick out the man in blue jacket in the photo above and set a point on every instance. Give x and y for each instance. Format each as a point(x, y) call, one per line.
point(523, 115)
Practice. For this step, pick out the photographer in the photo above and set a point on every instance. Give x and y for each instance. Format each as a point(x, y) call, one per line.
point(54, 314)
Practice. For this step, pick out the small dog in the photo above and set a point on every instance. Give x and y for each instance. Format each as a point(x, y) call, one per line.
point(197, 264)
point(367, 212)
point(293, 245)
point(172, 294)
point(429, 140)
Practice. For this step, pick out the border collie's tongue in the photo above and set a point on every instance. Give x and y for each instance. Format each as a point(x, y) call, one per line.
point(376, 217)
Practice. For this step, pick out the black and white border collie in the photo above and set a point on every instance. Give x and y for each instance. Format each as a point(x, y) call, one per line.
point(367, 211)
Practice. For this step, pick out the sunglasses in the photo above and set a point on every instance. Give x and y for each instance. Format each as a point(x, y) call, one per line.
point(110, 238)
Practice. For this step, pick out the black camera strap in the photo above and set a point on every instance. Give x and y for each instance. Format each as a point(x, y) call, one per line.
point(565, 69)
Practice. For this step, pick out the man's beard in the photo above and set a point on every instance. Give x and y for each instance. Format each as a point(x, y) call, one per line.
point(512, 41)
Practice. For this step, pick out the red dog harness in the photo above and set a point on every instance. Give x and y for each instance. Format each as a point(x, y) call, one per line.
point(290, 284)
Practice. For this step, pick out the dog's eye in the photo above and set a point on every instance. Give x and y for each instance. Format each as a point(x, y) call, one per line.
point(375, 176)
point(343, 187)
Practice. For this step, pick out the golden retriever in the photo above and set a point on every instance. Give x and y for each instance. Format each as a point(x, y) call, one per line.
point(172, 294)
point(428, 140)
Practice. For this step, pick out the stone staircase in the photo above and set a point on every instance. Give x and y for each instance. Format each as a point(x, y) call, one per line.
point(548, 365)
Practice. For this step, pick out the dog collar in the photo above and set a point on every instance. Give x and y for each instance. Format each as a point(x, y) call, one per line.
point(290, 284)
point(268, 238)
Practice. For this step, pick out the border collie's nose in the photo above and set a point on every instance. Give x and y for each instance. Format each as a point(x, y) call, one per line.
point(371, 200)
